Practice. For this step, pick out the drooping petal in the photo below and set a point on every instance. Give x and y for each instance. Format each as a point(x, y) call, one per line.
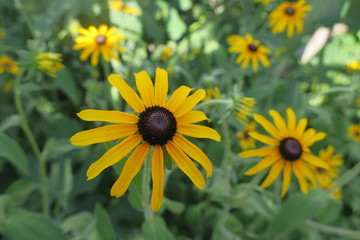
point(279, 123)
point(157, 172)
point(300, 128)
point(314, 160)
point(161, 86)
point(198, 131)
point(291, 119)
point(263, 138)
point(145, 88)
point(128, 94)
point(261, 152)
point(194, 152)
point(263, 164)
point(103, 134)
point(190, 102)
point(302, 166)
point(273, 173)
point(286, 178)
point(107, 116)
point(268, 126)
point(302, 181)
point(185, 164)
point(131, 168)
point(113, 155)
point(192, 117)
point(177, 98)
point(95, 57)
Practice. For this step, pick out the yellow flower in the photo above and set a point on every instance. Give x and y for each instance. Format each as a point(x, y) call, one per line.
point(158, 123)
point(166, 53)
point(119, 5)
point(288, 151)
point(353, 66)
point(212, 93)
point(49, 63)
point(249, 49)
point(8, 85)
point(99, 41)
point(354, 132)
point(247, 142)
point(2, 34)
point(244, 108)
point(8, 64)
point(289, 15)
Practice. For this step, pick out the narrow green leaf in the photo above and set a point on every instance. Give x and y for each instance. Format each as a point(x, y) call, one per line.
point(78, 221)
point(20, 191)
point(14, 153)
point(66, 82)
point(155, 229)
point(173, 206)
point(103, 223)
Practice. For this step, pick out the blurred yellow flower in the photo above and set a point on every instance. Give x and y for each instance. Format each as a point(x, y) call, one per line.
point(2, 34)
point(119, 5)
point(8, 85)
point(357, 101)
point(246, 141)
point(212, 93)
point(249, 49)
point(49, 63)
point(288, 150)
point(8, 64)
point(244, 109)
point(353, 66)
point(354, 132)
point(99, 41)
point(166, 53)
point(289, 15)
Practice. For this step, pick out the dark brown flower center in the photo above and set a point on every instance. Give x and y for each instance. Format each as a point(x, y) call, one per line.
point(157, 125)
point(290, 11)
point(100, 39)
point(320, 169)
point(246, 135)
point(7, 65)
point(290, 149)
point(252, 47)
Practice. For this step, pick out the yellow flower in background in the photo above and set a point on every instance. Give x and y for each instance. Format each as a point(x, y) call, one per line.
point(250, 50)
point(8, 64)
point(246, 141)
point(289, 15)
point(166, 53)
point(2, 34)
point(244, 109)
point(354, 132)
point(49, 63)
point(119, 5)
point(212, 93)
point(288, 150)
point(353, 66)
point(8, 85)
point(158, 123)
point(102, 41)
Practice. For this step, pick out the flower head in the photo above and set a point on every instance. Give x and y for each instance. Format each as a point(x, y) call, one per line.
point(353, 66)
point(157, 122)
point(212, 93)
point(96, 41)
point(119, 5)
point(166, 53)
point(49, 63)
point(244, 109)
point(246, 141)
point(288, 150)
point(289, 15)
point(249, 49)
point(354, 132)
point(8, 64)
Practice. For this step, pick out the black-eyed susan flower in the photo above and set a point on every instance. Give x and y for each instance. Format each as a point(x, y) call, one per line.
point(289, 15)
point(166, 53)
point(288, 150)
point(244, 108)
point(158, 122)
point(49, 63)
point(96, 41)
point(120, 6)
point(246, 141)
point(8, 64)
point(354, 132)
point(250, 50)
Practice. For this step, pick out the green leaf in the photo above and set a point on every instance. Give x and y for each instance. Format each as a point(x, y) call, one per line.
point(175, 27)
point(66, 82)
point(22, 224)
point(136, 192)
point(78, 221)
point(14, 153)
point(167, 160)
point(103, 223)
point(57, 147)
point(20, 191)
point(173, 206)
point(155, 229)
point(10, 121)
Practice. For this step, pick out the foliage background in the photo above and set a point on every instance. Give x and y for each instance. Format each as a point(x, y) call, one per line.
point(232, 206)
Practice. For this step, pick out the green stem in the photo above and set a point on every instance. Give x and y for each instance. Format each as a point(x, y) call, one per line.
point(347, 177)
point(335, 230)
point(148, 213)
point(29, 135)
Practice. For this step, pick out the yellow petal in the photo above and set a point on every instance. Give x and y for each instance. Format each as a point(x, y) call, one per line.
point(157, 172)
point(268, 126)
point(113, 155)
point(131, 168)
point(161, 87)
point(263, 164)
point(198, 131)
point(263, 138)
point(279, 123)
point(302, 181)
point(273, 173)
point(261, 152)
point(286, 178)
point(128, 94)
point(192, 117)
point(314, 160)
point(194, 152)
point(317, 137)
point(300, 128)
point(103, 134)
point(107, 116)
point(291, 119)
point(95, 57)
point(190, 102)
point(177, 98)
point(302, 166)
point(145, 88)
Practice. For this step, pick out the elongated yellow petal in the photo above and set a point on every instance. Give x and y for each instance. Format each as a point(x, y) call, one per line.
point(177, 98)
point(279, 123)
point(263, 138)
point(107, 116)
point(302, 166)
point(314, 160)
point(95, 57)
point(103, 134)
point(268, 126)
point(286, 178)
point(263, 164)
point(198, 131)
point(261, 152)
point(145, 88)
point(131, 168)
point(113, 155)
point(273, 174)
point(190, 102)
point(306, 137)
point(192, 117)
point(185, 164)
point(157, 172)
point(291, 119)
point(317, 137)
point(128, 94)
point(300, 128)
point(161, 87)
point(194, 152)
point(302, 181)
